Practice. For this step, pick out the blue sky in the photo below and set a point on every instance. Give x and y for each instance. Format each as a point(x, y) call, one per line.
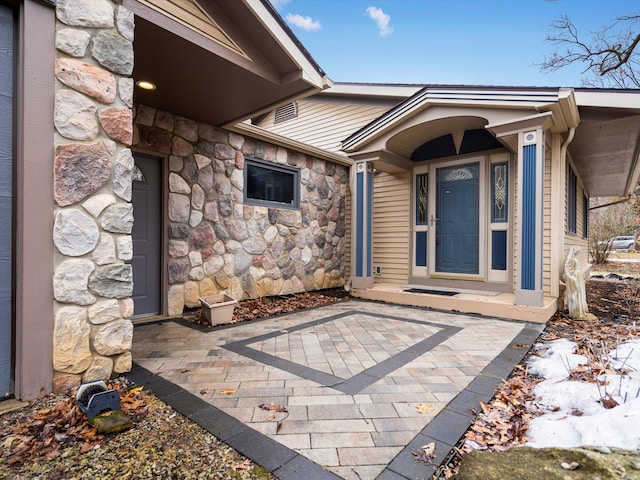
point(471, 42)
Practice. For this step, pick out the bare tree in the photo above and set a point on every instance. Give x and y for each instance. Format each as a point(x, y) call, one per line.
point(610, 56)
point(605, 223)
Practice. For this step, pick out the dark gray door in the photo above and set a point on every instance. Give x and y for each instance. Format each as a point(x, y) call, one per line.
point(147, 243)
point(6, 198)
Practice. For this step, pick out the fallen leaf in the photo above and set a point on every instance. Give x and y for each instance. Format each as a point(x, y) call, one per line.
point(10, 439)
point(608, 402)
point(270, 418)
point(246, 465)
point(425, 454)
point(277, 408)
point(227, 391)
point(430, 449)
point(423, 408)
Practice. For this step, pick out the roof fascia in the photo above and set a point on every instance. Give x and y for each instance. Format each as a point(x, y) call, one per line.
point(310, 72)
point(608, 98)
point(373, 90)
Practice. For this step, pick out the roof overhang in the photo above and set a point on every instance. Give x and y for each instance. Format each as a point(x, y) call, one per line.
point(219, 62)
point(605, 154)
point(606, 146)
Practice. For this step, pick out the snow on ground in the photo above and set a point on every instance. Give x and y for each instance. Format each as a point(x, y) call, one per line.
point(573, 412)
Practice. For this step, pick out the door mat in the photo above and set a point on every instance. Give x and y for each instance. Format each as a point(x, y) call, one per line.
point(431, 292)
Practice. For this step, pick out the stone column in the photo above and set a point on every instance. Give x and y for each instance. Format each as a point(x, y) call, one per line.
point(92, 191)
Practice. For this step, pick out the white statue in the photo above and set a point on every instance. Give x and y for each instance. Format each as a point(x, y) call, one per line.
point(575, 294)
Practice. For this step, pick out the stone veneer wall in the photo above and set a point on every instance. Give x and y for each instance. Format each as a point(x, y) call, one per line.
point(216, 243)
point(92, 190)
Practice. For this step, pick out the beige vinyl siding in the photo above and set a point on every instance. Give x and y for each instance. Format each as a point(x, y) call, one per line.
point(576, 239)
point(322, 124)
point(391, 206)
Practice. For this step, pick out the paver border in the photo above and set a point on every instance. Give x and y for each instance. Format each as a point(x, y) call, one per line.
point(445, 429)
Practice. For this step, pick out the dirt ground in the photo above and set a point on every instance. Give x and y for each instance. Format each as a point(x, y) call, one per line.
point(50, 438)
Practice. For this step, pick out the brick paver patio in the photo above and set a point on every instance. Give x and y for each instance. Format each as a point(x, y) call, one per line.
point(354, 378)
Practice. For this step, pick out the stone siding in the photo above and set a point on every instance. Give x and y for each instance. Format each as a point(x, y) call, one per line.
point(218, 244)
point(92, 191)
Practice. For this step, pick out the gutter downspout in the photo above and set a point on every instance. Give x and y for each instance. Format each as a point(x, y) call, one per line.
point(558, 193)
point(565, 145)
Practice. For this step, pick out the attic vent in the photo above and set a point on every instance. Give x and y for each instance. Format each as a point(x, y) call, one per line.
point(286, 112)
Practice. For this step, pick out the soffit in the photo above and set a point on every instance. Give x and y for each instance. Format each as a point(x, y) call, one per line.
point(218, 62)
point(191, 14)
point(605, 153)
point(405, 142)
point(435, 121)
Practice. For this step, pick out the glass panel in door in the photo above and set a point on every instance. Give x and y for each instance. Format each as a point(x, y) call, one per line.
point(420, 222)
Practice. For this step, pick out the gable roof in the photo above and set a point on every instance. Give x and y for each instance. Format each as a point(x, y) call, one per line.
point(605, 148)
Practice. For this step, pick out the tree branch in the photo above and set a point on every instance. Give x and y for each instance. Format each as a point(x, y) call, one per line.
point(610, 53)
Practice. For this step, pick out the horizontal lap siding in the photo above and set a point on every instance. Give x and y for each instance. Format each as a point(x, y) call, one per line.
point(324, 125)
point(578, 240)
point(391, 227)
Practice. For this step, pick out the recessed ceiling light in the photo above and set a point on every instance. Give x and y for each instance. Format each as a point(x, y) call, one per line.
point(145, 85)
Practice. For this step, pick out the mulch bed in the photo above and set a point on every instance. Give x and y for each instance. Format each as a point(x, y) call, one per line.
point(247, 310)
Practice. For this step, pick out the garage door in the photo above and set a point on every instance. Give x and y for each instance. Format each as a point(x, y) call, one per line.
point(6, 186)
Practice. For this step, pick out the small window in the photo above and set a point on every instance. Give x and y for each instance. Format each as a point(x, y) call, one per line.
point(270, 185)
point(499, 192)
point(286, 112)
point(421, 199)
point(572, 197)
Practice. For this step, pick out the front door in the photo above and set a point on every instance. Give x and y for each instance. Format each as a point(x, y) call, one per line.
point(6, 198)
point(457, 214)
point(147, 238)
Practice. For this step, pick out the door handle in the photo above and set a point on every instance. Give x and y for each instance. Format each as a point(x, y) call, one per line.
point(434, 220)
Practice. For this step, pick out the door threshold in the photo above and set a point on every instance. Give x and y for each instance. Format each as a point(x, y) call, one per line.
point(448, 291)
point(151, 317)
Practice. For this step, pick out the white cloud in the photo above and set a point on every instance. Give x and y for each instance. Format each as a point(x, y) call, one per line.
point(278, 4)
point(382, 19)
point(306, 23)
